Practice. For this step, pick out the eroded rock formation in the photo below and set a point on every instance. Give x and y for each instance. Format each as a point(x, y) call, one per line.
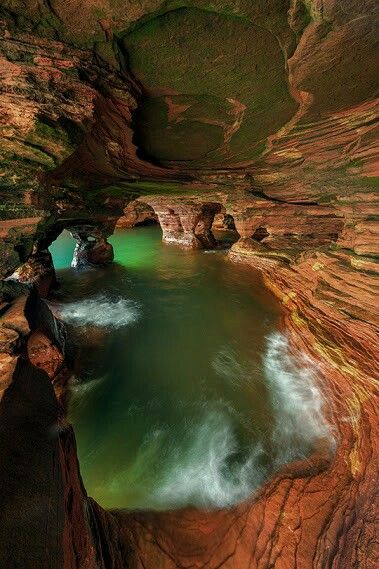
point(264, 112)
point(46, 517)
point(137, 213)
point(38, 272)
point(187, 223)
point(92, 247)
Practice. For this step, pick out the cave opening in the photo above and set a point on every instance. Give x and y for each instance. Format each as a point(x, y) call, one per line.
point(224, 229)
point(260, 233)
point(146, 222)
point(62, 250)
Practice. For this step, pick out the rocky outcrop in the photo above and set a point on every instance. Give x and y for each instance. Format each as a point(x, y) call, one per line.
point(285, 230)
point(17, 238)
point(223, 222)
point(37, 272)
point(46, 517)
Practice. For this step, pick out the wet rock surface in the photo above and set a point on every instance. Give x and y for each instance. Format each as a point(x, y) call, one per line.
point(97, 110)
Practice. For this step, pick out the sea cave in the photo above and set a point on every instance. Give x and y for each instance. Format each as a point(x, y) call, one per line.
point(189, 279)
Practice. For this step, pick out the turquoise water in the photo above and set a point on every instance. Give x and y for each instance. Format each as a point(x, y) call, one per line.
point(177, 399)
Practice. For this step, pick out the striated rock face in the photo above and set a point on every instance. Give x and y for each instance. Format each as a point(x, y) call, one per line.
point(184, 222)
point(38, 271)
point(137, 213)
point(256, 115)
point(46, 518)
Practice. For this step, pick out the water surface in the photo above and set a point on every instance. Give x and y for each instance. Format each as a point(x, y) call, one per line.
point(183, 388)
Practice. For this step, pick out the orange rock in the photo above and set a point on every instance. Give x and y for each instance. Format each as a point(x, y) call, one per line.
point(44, 354)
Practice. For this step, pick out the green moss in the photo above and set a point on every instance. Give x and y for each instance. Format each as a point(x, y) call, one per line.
point(104, 52)
point(139, 187)
point(372, 181)
point(356, 163)
point(216, 8)
point(99, 12)
point(50, 26)
point(21, 57)
point(235, 93)
point(17, 211)
point(326, 29)
point(53, 141)
point(44, 130)
point(71, 72)
point(326, 198)
point(304, 17)
point(34, 152)
point(152, 121)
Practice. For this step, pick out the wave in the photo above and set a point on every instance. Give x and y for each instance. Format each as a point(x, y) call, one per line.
point(296, 399)
point(204, 464)
point(101, 311)
point(227, 365)
point(82, 388)
point(208, 473)
point(205, 470)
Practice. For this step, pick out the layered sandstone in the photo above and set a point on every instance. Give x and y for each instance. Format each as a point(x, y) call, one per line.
point(264, 112)
point(136, 213)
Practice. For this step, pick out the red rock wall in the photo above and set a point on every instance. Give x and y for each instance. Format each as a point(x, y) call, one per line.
point(313, 514)
point(46, 518)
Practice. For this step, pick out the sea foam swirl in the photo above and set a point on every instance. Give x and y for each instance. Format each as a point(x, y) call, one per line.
point(101, 311)
point(297, 401)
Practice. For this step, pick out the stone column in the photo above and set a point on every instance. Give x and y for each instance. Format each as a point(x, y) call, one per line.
point(188, 224)
point(92, 247)
point(203, 228)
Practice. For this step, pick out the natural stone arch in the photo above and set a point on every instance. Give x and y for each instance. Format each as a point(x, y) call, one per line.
point(203, 227)
point(137, 213)
point(223, 221)
point(187, 223)
point(92, 249)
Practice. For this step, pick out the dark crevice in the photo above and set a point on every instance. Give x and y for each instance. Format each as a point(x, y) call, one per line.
point(146, 222)
point(263, 196)
point(260, 233)
point(53, 10)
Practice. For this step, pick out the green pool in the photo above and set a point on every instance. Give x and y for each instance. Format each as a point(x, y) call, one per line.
point(184, 392)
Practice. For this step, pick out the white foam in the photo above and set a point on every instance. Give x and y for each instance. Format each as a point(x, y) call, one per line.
point(83, 388)
point(297, 401)
point(226, 365)
point(207, 474)
point(203, 465)
point(101, 311)
point(203, 471)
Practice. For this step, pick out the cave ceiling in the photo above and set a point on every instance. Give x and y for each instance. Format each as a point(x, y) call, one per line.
point(107, 92)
